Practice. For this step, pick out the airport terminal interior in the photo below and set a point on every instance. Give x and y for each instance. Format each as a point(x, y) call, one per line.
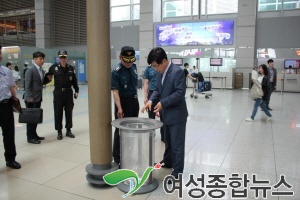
point(223, 39)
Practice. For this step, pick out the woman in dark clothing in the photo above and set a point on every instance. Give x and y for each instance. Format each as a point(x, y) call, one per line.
point(262, 79)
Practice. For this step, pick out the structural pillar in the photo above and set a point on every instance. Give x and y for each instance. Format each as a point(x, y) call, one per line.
point(98, 62)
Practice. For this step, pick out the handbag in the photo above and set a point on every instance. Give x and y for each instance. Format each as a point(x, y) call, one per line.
point(31, 116)
point(15, 102)
point(256, 90)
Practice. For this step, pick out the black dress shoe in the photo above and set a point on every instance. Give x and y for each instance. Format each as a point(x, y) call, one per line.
point(164, 165)
point(70, 134)
point(33, 141)
point(13, 164)
point(59, 135)
point(39, 138)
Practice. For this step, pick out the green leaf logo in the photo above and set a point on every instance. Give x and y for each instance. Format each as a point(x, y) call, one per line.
point(120, 175)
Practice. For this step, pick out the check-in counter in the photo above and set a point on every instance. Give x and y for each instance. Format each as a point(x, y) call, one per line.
point(291, 82)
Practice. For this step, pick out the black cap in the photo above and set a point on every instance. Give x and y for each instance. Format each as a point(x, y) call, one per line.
point(128, 54)
point(62, 53)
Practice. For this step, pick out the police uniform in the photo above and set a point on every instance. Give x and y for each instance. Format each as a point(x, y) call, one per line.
point(64, 78)
point(151, 74)
point(125, 81)
point(7, 117)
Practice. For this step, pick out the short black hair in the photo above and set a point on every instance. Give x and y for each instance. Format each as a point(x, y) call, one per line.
point(38, 54)
point(185, 64)
point(7, 64)
point(290, 67)
point(265, 68)
point(270, 60)
point(157, 54)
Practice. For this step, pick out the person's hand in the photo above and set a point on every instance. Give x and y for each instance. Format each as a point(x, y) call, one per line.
point(145, 100)
point(147, 107)
point(120, 113)
point(49, 77)
point(76, 95)
point(158, 107)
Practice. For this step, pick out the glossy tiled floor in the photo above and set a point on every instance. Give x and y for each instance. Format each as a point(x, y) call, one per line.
point(218, 141)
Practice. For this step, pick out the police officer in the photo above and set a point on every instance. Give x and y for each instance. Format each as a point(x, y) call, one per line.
point(7, 89)
point(124, 80)
point(64, 78)
point(149, 87)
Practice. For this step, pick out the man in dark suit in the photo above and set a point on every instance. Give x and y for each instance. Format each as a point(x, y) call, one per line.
point(170, 95)
point(34, 81)
point(272, 79)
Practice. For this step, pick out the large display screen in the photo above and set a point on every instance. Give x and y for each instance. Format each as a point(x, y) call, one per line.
point(195, 33)
point(294, 63)
point(216, 62)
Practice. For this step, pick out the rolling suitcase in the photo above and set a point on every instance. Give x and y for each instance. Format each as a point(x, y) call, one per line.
point(207, 85)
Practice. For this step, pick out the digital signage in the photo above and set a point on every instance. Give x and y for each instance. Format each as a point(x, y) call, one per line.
point(195, 33)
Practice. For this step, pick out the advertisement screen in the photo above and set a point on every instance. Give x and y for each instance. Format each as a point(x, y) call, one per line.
point(216, 62)
point(195, 33)
point(294, 63)
point(177, 61)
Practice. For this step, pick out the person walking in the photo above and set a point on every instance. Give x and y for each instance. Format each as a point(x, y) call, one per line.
point(7, 123)
point(34, 81)
point(262, 80)
point(64, 79)
point(124, 80)
point(272, 80)
point(170, 95)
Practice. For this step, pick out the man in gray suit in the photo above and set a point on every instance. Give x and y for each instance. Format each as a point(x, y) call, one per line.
point(272, 79)
point(34, 81)
point(170, 95)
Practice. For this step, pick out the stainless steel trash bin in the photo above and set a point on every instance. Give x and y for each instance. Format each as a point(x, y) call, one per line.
point(137, 148)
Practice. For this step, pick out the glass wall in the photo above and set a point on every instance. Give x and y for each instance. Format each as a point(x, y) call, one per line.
point(17, 25)
point(272, 5)
point(125, 10)
point(178, 8)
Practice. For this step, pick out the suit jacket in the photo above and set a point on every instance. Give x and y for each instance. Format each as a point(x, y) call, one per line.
point(274, 77)
point(171, 95)
point(33, 84)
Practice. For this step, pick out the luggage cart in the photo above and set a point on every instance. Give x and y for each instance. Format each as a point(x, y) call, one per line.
point(201, 90)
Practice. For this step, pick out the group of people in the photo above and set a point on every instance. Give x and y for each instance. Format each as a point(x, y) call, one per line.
point(164, 93)
point(266, 77)
point(35, 77)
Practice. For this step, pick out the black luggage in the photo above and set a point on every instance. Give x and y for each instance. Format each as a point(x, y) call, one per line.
point(207, 85)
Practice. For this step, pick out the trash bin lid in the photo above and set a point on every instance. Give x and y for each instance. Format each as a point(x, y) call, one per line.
point(136, 124)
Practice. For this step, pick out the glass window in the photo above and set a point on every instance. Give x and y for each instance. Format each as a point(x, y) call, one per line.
point(135, 1)
point(177, 8)
point(11, 26)
point(120, 13)
point(222, 6)
point(195, 7)
point(269, 5)
point(119, 3)
point(291, 4)
point(136, 12)
point(2, 27)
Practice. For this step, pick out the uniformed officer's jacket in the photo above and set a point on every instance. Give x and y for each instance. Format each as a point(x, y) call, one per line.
point(124, 80)
point(64, 77)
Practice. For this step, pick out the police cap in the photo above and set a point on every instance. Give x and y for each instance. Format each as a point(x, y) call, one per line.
point(128, 54)
point(62, 53)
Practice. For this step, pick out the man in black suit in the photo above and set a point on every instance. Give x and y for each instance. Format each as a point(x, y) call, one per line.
point(170, 95)
point(272, 79)
point(34, 81)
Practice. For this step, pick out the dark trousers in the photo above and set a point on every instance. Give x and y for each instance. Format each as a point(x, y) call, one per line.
point(31, 128)
point(7, 124)
point(152, 114)
point(174, 147)
point(63, 100)
point(270, 90)
point(130, 108)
